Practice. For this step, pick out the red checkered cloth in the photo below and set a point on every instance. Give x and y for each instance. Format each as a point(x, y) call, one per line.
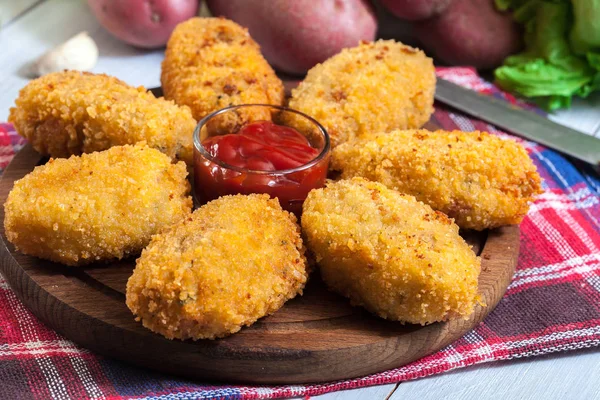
point(552, 304)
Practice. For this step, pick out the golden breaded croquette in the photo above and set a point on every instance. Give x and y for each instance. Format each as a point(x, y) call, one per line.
point(374, 87)
point(96, 207)
point(235, 260)
point(213, 63)
point(71, 112)
point(476, 178)
point(390, 253)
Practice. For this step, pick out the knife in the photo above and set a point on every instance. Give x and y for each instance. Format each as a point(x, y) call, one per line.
point(520, 122)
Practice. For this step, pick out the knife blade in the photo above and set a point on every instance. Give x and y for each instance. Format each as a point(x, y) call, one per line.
point(519, 121)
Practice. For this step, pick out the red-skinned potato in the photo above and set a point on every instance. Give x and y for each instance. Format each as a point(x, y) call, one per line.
point(296, 35)
point(470, 32)
point(143, 23)
point(391, 27)
point(415, 10)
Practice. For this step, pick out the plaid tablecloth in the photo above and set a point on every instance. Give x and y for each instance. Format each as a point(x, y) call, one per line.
point(552, 304)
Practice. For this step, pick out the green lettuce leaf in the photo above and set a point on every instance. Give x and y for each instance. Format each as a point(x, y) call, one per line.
point(548, 70)
point(585, 34)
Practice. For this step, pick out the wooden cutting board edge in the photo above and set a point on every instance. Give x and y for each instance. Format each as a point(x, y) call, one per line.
point(337, 351)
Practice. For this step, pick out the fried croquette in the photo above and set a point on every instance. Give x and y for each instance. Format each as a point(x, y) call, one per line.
point(96, 207)
point(213, 63)
point(390, 253)
point(235, 260)
point(375, 87)
point(476, 178)
point(70, 113)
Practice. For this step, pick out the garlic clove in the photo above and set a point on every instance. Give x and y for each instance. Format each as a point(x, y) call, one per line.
point(78, 53)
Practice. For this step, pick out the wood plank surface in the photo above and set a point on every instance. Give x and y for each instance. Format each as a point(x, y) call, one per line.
point(540, 378)
point(584, 116)
point(11, 10)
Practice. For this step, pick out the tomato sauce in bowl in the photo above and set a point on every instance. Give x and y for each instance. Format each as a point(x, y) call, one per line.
point(285, 158)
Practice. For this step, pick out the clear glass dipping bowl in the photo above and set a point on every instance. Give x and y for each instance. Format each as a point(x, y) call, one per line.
point(214, 178)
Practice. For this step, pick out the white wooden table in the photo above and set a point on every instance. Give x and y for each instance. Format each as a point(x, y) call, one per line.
point(31, 27)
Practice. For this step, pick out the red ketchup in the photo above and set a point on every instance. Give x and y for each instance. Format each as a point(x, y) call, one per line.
point(259, 154)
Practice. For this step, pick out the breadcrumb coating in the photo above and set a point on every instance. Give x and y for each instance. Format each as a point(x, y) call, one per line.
point(374, 87)
point(390, 253)
point(476, 178)
point(97, 207)
point(235, 260)
point(71, 112)
point(213, 63)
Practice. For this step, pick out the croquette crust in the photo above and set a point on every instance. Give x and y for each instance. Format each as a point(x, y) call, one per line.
point(70, 113)
point(374, 87)
point(233, 261)
point(98, 207)
point(213, 63)
point(480, 180)
point(390, 253)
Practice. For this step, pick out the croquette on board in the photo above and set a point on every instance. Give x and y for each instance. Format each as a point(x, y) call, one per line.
point(96, 207)
point(390, 253)
point(476, 178)
point(233, 261)
point(374, 87)
point(212, 63)
point(71, 112)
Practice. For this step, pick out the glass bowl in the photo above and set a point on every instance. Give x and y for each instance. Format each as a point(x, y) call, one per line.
point(214, 178)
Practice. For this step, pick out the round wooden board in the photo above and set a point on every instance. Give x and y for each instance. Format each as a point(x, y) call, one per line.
point(317, 337)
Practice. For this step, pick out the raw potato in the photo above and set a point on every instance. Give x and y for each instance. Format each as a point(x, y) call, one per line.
point(235, 260)
point(374, 87)
point(390, 253)
point(391, 27)
point(296, 35)
point(72, 112)
point(213, 63)
point(143, 23)
point(97, 207)
point(470, 32)
point(415, 10)
point(476, 178)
